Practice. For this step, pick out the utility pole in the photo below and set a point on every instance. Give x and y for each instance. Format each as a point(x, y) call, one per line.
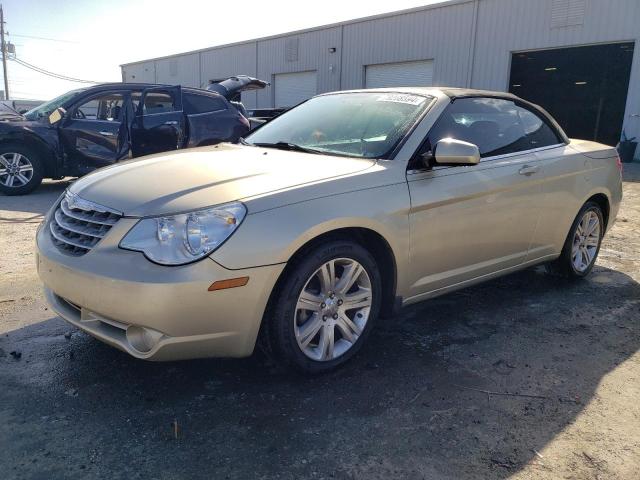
point(3, 46)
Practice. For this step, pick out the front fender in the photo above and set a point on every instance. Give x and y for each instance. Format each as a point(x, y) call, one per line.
point(274, 236)
point(44, 140)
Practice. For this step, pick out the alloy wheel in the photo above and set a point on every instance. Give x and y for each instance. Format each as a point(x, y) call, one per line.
point(16, 170)
point(333, 309)
point(586, 240)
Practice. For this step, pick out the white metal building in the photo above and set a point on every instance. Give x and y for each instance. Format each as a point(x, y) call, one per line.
point(553, 52)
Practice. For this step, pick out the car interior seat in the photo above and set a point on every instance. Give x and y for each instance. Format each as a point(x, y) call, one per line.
point(115, 112)
point(485, 134)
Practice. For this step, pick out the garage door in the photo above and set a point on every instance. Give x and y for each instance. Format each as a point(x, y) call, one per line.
point(565, 82)
point(293, 88)
point(404, 74)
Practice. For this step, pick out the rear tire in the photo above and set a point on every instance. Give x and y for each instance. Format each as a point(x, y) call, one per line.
point(582, 245)
point(21, 170)
point(325, 308)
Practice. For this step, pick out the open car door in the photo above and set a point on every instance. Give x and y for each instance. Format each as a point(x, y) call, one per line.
point(93, 133)
point(159, 124)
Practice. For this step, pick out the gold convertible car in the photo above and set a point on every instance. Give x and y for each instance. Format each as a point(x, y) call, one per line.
point(329, 217)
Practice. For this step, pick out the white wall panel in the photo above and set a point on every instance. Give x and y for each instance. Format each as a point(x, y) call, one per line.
point(443, 34)
point(470, 42)
point(307, 51)
point(139, 72)
point(179, 70)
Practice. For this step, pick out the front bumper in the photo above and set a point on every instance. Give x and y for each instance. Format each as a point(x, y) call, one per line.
point(152, 311)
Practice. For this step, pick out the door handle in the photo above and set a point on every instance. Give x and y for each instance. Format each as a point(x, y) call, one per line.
point(104, 133)
point(171, 122)
point(529, 170)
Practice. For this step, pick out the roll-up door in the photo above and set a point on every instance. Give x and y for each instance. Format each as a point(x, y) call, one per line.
point(293, 88)
point(403, 74)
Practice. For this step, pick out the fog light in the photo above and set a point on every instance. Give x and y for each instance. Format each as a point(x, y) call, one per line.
point(142, 339)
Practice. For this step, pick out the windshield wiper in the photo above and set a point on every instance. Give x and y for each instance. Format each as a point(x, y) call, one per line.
point(287, 146)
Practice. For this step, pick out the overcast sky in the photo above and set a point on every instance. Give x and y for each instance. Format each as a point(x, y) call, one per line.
point(89, 39)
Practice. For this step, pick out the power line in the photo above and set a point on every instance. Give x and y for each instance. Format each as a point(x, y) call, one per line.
point(42, 38)
point(49, 73)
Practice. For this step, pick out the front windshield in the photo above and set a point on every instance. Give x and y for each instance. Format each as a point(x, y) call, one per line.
point(46, 108)
point(366, 124)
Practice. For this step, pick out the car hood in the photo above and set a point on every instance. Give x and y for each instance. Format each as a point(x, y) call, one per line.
point(11, 117)
point(9, 123)
point(9, 113)
point(200, 177)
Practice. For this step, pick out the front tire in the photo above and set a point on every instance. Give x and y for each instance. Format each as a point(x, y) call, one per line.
point(582, 245)
point(325, 308)
point(21, 170)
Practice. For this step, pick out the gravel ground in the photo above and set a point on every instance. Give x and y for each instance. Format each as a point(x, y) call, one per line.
point(413, 404)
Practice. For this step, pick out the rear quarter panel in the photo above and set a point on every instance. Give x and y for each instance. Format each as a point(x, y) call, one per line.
point(573, 174)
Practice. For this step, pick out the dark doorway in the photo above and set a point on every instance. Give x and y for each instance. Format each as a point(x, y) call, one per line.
point(584, 88)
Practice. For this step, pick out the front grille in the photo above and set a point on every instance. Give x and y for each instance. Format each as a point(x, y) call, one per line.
point(78, 225)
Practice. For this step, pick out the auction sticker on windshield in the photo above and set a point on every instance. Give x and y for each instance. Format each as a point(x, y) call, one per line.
point(401, 98)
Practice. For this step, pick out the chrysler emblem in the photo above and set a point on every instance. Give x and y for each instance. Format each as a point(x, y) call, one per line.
point(76, 203)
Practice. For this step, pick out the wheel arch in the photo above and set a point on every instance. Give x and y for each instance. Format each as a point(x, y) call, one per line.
point(45, 152)
point(367, 238)
point(602, 200)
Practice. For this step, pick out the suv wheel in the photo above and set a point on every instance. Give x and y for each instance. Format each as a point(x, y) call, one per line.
point(326, 307)
point(20, 170)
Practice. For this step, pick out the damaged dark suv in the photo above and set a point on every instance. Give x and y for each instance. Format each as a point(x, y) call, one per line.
point(90, 128)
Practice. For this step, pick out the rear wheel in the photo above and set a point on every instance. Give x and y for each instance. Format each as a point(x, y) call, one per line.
point(582, 244)
point(325, 307)
point(20, 170)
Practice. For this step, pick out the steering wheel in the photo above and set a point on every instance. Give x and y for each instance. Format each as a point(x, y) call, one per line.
point(80, 114)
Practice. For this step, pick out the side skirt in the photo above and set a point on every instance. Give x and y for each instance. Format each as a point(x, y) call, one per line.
point(475, 281)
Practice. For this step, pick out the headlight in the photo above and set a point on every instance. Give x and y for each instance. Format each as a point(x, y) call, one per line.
point(180, 239)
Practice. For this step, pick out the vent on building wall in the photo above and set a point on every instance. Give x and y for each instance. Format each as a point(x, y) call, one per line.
point(566, 13)
point(173, 67)
point(291, 49)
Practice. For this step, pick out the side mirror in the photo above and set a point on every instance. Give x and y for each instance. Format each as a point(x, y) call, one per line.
point(56, 115)
point(452, 152)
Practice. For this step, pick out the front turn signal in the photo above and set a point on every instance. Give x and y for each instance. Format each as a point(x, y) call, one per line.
point(229, 283)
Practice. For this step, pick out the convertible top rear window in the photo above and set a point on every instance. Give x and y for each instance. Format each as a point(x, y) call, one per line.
point(363, 124)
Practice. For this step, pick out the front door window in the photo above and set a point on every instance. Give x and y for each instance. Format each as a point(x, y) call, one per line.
point(497, 126)
point(106, 108)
